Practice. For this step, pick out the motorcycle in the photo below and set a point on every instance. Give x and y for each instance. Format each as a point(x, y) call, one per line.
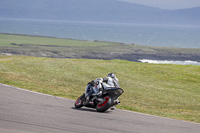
point(107, 99)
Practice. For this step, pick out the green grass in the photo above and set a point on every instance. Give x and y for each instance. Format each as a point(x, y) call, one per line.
point(7, 39)
point(171, 91)
point(35, 43)
point(58, 48)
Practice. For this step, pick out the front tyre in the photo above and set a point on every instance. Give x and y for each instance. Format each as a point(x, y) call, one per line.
point(105, 104)
point(79, 101)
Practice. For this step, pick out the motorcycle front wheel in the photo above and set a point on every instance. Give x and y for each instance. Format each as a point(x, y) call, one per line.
point(105, 104)
point(79, 101)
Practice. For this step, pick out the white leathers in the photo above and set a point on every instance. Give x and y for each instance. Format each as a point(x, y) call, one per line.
point(101, 83)
point(108, 82)
point(111, 82)
point(98, 84)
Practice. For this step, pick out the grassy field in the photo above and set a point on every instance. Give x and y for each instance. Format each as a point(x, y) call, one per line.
point(171, 91)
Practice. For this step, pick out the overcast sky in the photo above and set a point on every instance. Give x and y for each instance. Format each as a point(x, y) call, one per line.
point(168, 4)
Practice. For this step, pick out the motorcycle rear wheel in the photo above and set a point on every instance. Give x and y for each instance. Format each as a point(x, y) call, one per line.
point(105, 104)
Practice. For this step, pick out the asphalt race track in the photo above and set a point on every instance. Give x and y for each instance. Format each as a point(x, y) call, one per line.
point(24, 111)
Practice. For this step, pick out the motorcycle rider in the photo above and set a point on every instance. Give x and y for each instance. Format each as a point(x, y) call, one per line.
point(111, 81)
point(95, 87)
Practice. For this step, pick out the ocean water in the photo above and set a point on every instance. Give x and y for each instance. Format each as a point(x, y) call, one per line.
point(149, 35)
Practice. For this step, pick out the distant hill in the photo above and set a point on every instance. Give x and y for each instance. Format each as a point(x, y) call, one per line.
point(96, 10)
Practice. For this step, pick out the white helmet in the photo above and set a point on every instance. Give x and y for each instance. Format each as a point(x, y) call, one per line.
point(112, 75)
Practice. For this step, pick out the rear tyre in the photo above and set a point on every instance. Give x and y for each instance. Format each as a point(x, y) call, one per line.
point(105, 104)
point(79, 101)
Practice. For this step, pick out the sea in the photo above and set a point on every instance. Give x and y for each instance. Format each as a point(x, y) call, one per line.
point(127, 33)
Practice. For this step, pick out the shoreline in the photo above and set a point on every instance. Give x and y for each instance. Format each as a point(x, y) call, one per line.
point(130, 52)
point(180, 62)
point(186, 62)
